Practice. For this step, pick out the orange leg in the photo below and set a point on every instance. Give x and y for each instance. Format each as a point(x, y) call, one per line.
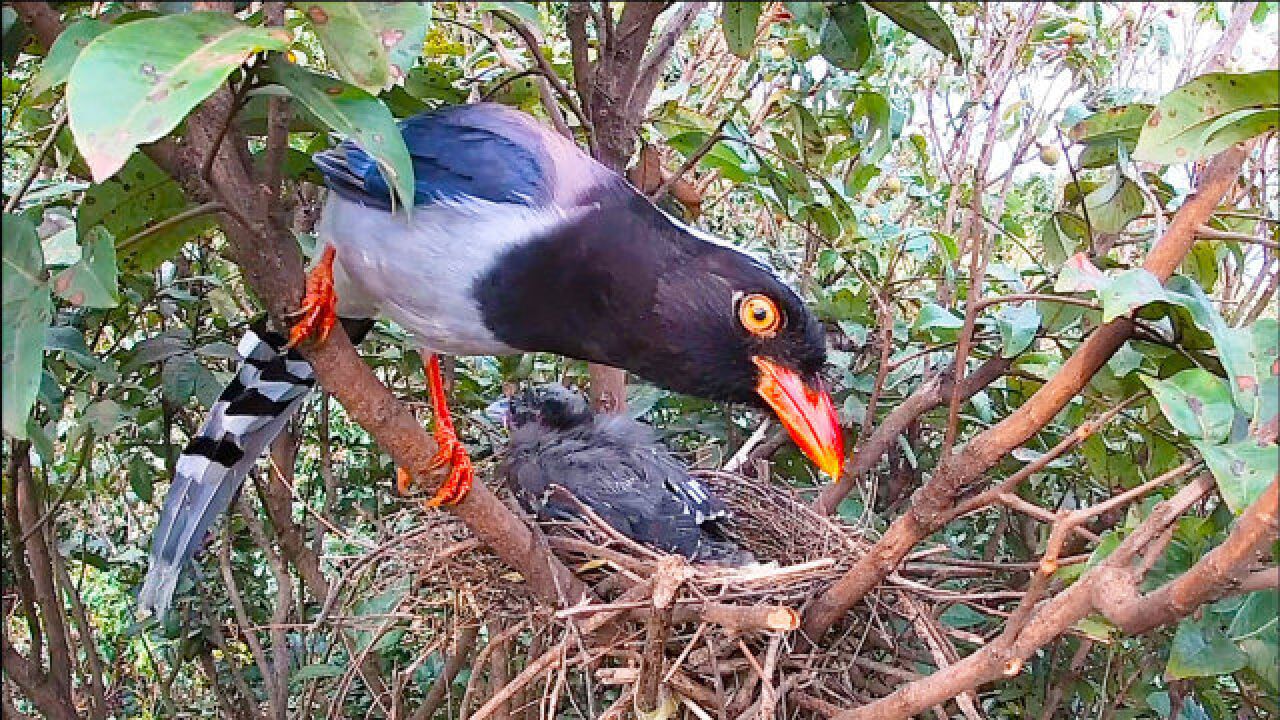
point(451, 451)
point(319, 309)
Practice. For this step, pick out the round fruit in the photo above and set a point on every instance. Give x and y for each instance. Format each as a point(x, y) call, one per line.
point(893, 185)
point(777, 52)
point(1050, 155)
point(1077, 30)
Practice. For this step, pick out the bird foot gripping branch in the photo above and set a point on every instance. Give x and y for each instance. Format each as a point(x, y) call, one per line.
point(316, 319)
point(319, 309)
point(451, 451)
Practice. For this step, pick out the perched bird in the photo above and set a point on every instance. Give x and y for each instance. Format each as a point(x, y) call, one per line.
point(517, 242)
point(562, 454)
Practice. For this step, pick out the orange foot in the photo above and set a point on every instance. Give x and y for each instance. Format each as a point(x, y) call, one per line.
point(451, 452)
point(319, 309)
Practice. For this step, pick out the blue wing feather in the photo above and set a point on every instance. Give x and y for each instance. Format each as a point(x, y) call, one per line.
point(461, 152)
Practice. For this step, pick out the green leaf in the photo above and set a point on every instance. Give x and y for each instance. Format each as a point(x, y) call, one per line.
point(139, 197)
point(136, 82)
point(876, 138)
point(27, 310)
point(141, 478)
point(385, 601)
point(962, 616)
point(1018, 325)
point(1130, 290)
point(1122, 123)
point(1197, 403)
point(845, 39)
point(1201, 264)
point(1079, 274)
point(372, 45)
point(1235, 345)
point(66, 49)
point(1238, 127)
point(104, 417)
point(938, 322)
point(921, 20)
point(91, 282)
point(1201, 649)
point(358, 115)
point(316, 671)
point(526, 11)
point(1114, 205)
point(184, 377)
point(1243, 470)
point(1109, 468)
point(1179, 130)
point(1061, 237)
point(739, 20)
point(1258, 611)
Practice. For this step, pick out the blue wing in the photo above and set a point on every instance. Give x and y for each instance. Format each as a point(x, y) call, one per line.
point(482, 151)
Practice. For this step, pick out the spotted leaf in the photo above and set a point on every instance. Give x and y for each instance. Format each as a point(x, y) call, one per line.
point(1207, 114)
point(1197, 403)
point(136, 82)
point(372, 45)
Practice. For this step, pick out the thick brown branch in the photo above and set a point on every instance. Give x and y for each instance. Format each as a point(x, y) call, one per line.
point(39, 560)
point(1220, 573)
point(1004, 656)
point(38, 687)
point(930, 504)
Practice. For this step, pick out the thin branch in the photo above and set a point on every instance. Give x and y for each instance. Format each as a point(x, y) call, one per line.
point(544, 65)
point(37, 163)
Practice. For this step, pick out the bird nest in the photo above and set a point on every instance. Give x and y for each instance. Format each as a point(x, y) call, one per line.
point(725, 638)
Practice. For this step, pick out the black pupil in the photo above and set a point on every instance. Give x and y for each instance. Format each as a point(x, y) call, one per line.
point(759, 313)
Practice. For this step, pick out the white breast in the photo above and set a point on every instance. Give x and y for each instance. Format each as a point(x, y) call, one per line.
point(418, 271)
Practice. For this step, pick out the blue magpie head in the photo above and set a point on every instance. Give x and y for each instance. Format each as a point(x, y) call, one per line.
point(626, 285)
point(737, 332)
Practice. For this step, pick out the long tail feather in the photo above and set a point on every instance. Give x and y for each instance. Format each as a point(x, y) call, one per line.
point(250, 413)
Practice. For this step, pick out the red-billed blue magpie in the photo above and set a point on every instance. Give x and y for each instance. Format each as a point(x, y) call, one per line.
point(517, 242)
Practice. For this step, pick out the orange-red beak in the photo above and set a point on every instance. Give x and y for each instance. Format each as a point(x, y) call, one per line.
point(807, 413)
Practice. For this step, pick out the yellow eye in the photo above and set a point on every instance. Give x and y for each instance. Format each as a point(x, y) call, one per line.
point(759, 315)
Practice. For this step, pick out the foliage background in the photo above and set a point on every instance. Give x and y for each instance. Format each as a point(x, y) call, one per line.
point(906, 167)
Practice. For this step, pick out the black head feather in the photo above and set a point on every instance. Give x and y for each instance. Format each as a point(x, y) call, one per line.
point(625, 285)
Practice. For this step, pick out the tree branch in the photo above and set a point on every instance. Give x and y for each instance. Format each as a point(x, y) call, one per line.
point(1004, 656)
point(927, 397)
point(930, 504)
point(1223, 571)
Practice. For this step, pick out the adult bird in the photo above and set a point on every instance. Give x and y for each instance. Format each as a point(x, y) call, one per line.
point(517, 242)
point(563, 456)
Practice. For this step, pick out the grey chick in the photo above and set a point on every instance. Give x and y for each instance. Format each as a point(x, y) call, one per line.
point(613, 465)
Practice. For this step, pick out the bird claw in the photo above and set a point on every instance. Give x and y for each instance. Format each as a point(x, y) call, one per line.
point(461, 474)
point(319, 309)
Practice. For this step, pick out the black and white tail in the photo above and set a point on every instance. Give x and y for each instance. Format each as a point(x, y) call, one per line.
point(267, 390)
